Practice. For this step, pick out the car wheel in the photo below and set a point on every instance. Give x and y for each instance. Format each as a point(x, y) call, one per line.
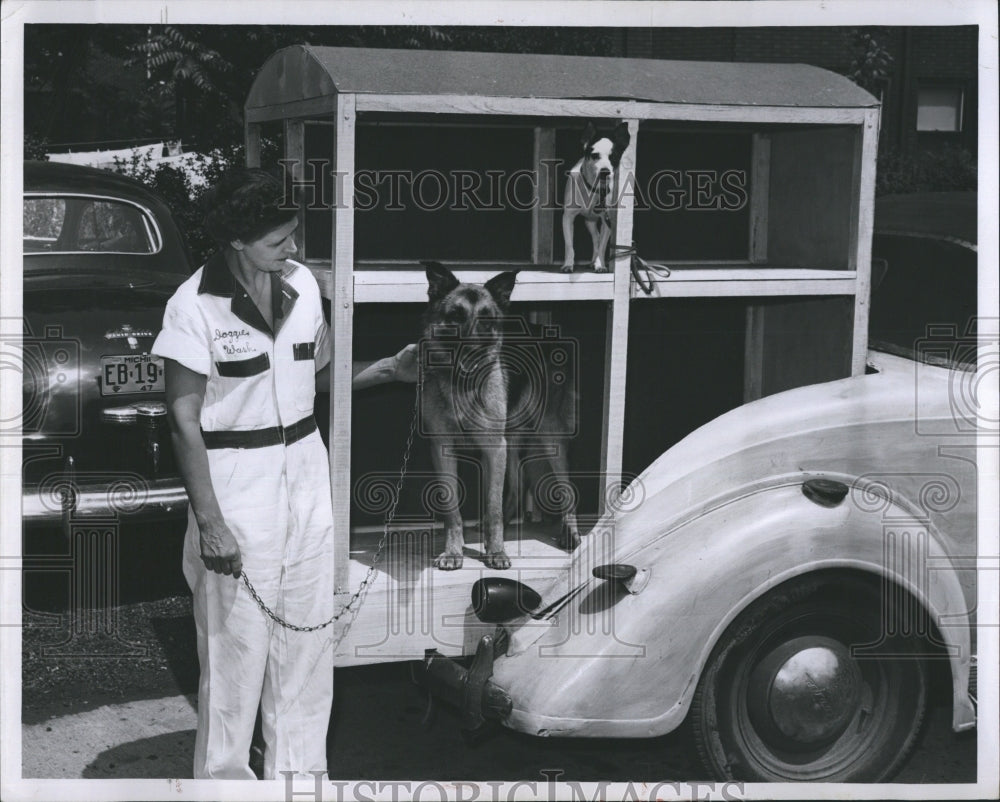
point(808, 684)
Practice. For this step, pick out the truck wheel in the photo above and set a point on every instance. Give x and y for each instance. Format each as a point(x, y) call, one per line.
point(808, 683)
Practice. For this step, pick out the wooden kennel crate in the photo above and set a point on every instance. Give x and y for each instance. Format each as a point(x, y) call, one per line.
point(797, 142)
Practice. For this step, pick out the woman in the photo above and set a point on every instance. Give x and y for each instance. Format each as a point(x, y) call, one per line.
point(243, 341)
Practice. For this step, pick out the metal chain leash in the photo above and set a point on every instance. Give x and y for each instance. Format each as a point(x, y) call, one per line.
point(644, 273)
point(379, 550)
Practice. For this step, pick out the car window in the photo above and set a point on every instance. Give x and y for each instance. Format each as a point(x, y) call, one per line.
point(68, 224)
point(927, 292)
point(43, 220)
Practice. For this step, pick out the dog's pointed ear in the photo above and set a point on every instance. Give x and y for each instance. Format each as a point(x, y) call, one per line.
point(440, 280)
point(588, 135)
point(501, 286)
point(620, 139)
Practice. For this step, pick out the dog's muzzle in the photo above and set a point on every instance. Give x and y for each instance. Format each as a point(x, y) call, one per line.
point(472, 359)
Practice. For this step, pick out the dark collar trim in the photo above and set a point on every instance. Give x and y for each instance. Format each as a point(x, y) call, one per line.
point(591, 189)
point(217, 279)
point(283, 297)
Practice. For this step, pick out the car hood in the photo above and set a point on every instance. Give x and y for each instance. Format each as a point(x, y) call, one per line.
point(852, 427)
point(886, 395)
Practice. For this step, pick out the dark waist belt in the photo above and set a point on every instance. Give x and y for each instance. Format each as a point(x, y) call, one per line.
point(258, 438)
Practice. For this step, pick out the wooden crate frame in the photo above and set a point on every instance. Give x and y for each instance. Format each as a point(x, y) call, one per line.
point(278, 95)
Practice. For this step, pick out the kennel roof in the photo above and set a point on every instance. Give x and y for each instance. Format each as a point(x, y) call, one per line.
point(304, 79)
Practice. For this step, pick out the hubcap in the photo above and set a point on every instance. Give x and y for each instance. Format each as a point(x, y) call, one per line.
point(805, 692)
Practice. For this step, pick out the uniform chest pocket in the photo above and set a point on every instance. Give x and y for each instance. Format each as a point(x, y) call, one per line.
point(243, 368)
point(303, 351)
point(240, 396)
point(304, 372)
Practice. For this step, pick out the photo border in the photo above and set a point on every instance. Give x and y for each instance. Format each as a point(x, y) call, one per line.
point(790, 13)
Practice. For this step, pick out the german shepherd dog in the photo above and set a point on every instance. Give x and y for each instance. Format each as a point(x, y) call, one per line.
point(471, 395)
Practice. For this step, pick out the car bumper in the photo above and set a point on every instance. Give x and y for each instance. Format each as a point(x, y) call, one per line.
point(470, 690)
point(53, 503)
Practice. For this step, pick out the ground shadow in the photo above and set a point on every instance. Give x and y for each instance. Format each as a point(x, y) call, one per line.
point(179, 646)
point(162, 756)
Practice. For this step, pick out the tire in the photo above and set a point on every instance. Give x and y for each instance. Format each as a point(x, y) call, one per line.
point(783, 698)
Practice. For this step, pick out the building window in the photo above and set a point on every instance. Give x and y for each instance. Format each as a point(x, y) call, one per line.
point(939, 109)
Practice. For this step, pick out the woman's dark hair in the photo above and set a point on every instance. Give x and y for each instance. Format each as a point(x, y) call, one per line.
point(245, 204)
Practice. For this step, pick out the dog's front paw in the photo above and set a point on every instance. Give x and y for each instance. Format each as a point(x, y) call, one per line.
point(599, 267)
point(566, 268)
point(497, 560)
point(448, 561)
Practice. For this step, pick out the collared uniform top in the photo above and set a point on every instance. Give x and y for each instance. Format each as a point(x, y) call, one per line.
point(275, 500)
point(257, 378)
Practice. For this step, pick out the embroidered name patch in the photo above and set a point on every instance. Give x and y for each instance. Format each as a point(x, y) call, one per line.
point(234, 341)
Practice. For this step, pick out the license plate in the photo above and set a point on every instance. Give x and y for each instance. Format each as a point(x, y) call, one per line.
point(131, 373)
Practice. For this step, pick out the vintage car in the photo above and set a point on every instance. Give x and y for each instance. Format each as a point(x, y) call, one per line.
point(789, 578)
point(101, 257)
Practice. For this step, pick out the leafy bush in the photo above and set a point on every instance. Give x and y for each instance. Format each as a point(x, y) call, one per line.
point(182, 189)
point(35, 148)
point(951, 168)
point(872, 67)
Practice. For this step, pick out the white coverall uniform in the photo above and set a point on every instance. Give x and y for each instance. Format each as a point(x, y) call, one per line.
point(275, 498)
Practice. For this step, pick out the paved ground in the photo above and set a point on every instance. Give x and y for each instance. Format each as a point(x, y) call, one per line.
point(144, 738)
point(131, 715)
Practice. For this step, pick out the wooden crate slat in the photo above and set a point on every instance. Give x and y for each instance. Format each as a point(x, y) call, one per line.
point(863, 223)
point(608, 109)
point(340, 285)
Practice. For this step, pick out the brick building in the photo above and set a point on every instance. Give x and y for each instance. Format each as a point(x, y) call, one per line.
point(929, 94)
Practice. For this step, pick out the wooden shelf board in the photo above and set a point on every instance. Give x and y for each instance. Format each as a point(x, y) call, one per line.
point(688, 281)
point(387, 283)
point(393, 283)
point(412, 606)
